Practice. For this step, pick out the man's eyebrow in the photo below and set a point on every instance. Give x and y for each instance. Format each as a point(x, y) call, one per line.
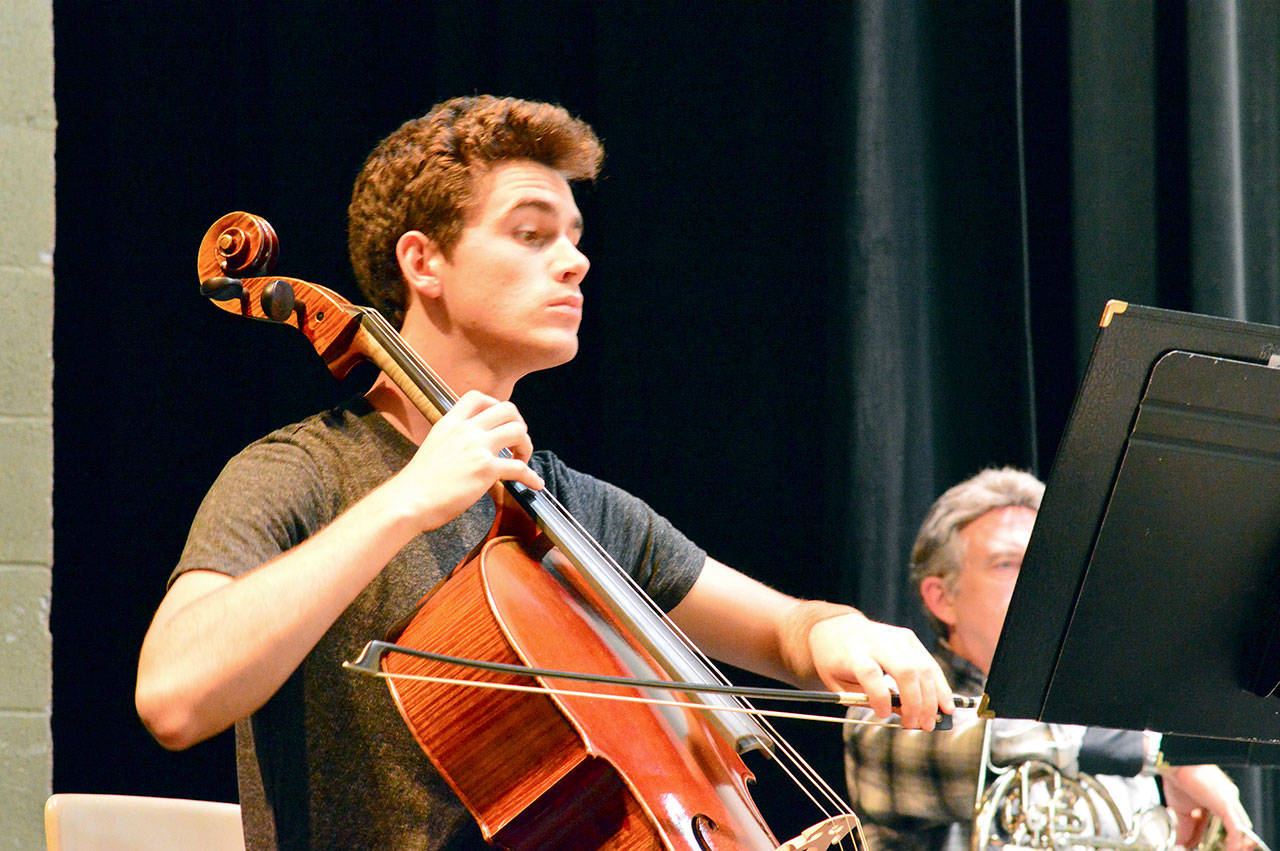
point(544, 206)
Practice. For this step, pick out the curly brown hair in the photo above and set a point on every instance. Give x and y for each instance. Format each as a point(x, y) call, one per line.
point(423, 177)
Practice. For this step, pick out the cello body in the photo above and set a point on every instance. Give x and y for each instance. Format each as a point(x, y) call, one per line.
point(560, 771)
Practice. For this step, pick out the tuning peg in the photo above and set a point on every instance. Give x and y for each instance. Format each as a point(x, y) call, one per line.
point(221, 289)
point(277, 300)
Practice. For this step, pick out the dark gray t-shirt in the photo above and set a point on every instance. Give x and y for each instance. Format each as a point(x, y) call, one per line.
point(328, 762)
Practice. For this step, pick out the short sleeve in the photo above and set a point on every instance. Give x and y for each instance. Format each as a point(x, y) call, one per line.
point(267, 499)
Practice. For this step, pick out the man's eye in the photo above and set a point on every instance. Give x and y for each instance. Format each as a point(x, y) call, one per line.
point(529, 237)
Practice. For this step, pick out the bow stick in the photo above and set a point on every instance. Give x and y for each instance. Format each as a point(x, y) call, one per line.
point(367, 663)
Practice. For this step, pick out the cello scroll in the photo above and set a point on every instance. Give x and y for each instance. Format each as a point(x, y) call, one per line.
point(235, 260)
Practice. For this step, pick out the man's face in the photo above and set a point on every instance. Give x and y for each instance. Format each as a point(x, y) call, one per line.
point(975, 606)
point(511, 289)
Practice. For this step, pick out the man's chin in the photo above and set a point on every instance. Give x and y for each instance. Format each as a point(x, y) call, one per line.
point(556, 354)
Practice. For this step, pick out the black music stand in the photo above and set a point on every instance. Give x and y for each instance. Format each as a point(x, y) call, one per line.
point(1149, 597)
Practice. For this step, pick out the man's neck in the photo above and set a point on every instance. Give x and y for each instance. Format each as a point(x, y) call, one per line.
point(458, 371)
point(395, 407)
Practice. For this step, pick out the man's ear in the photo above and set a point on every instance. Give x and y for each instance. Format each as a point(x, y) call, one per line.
point(418, 257)
point(937, 599)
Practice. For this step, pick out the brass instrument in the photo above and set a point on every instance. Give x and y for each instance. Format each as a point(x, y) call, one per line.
point(1033, 805)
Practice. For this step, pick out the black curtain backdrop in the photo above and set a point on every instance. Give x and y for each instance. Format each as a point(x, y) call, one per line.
point(807, 311)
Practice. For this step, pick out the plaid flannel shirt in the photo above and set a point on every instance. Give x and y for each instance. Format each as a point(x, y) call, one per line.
point(916, 790)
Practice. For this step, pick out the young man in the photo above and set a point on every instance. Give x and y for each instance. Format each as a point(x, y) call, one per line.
point(464, 232)
point(917, 790)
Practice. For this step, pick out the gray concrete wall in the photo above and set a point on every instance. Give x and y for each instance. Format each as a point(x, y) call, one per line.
point(27, 121)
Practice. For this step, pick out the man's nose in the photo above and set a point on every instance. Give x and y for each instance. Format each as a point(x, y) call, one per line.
point(571, 264)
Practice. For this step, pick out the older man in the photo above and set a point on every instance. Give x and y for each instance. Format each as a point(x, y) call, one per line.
point(917, 790)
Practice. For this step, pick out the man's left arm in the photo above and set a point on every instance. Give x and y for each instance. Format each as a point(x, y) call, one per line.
point(1193, 792)
point(812, 644)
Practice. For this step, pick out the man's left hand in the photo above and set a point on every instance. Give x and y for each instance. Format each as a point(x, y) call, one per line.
point(1196, 792)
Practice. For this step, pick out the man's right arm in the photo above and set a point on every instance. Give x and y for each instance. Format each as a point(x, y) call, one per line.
point(218, 647)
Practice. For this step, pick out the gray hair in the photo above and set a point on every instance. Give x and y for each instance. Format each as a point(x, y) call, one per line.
point(938, 550)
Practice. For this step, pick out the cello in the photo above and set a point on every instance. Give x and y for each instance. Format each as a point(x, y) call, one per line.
point(617, 766)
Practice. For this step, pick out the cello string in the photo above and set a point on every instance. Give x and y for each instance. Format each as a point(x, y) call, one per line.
point(816, 784)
